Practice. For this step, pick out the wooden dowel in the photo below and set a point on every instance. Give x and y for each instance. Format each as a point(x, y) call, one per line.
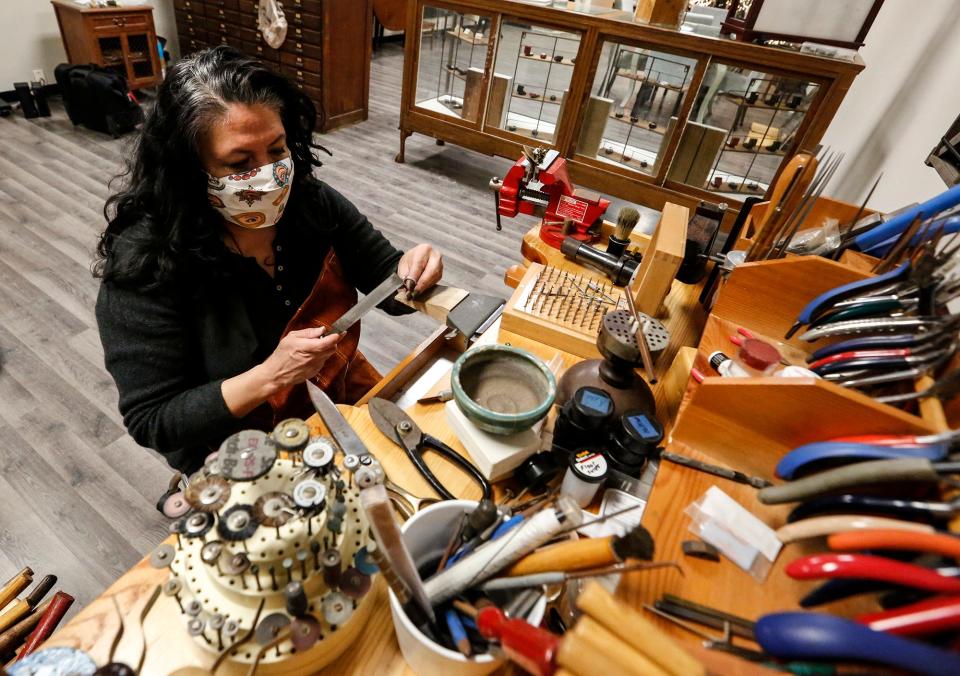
point(639, 632)
point(589, 648)
point(11, 639)
point(14, 586)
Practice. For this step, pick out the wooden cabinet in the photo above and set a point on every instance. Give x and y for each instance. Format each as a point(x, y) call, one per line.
point(326, 52)
point(651, 115)
point(119, 38)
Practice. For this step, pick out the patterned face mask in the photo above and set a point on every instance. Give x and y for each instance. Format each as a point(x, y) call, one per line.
point(254, 198)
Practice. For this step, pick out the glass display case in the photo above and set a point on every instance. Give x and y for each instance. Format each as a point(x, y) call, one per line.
point(645, 114)
point(637, 91)
point(756, 116)
point(451, 73)
point(531, 79)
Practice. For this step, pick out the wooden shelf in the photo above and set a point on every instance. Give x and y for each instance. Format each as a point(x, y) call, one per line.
point(561, 62)
point(764, 106)
point(470, 41)
point(753, 151)
point(541, 97)
point(640, 124)
point(641, 77)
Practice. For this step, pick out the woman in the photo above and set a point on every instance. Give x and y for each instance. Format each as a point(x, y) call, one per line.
point(224, 260)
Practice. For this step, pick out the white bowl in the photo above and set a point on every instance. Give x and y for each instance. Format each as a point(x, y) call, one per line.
point(426, 535)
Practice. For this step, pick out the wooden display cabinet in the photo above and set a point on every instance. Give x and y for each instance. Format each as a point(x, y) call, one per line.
point(326, 52)
point(640, 112)
point(119, 38)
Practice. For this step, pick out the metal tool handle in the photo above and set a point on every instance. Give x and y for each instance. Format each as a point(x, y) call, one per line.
point(838, 293)
point(877, 471)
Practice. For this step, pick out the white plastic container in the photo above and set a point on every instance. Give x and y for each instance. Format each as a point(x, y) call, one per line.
point(426, 534)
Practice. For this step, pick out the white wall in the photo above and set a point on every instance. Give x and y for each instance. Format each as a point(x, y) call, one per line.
point(29, 37)
point(900, 104)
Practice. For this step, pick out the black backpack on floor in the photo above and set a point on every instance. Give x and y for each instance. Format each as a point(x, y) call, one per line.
point(98, 99)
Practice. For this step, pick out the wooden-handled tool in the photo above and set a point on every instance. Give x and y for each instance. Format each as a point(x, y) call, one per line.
point(58, 607)
point(590, 648)
point(637, 631)
point(13, 637)
point(14, 586)
point(785, 197)
point(586, 553)
point(23, 606)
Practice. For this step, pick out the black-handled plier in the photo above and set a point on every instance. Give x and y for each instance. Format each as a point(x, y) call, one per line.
point(397, 426)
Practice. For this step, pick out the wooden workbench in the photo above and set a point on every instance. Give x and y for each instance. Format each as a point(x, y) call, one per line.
point(721, 585)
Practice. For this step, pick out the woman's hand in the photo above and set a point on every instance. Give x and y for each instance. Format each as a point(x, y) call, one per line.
point(423, 264)
point(299, 356)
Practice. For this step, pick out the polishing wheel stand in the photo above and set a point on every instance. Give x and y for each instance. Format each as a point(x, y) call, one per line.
point(250, 534)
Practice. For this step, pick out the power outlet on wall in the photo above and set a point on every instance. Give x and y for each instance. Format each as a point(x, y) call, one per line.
point(38, 75)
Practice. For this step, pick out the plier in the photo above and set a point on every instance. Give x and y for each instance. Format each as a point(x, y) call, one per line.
point(816, 456)
point(855, 503)
point(861, 473)
point(397, 426)
point(828, 299)
point(819, 636)
point(876, 568)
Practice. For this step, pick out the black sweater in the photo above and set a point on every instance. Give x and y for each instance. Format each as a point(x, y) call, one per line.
point(169, 349)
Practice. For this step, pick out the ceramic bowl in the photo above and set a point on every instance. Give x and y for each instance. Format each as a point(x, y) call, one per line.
point(502, 389)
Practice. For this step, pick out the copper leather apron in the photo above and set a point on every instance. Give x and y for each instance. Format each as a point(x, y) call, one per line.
point(347, 375)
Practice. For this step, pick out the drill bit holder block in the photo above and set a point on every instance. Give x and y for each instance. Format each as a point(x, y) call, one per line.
point(272, 515)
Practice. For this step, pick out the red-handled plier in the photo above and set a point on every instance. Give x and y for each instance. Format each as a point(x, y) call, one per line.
point(930, 616)
point(859, 354)
point(863, 567)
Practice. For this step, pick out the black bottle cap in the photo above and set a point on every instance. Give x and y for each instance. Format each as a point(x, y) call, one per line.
point(537, 471)
point(591, 407)
point(639, 432)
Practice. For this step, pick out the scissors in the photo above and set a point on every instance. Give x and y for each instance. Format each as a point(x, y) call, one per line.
point(396, 425)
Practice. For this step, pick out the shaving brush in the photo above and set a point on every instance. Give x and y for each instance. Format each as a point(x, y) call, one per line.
point(626, 221)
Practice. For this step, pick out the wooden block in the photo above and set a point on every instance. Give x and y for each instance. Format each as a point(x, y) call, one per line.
point(594, 123)
point(671, 125)
point(660, 12)
point(497, 100)
point(472, 94)
point(546, 307)
point(675, 382)
point(696, 154)
point(436, 302)
point(652, 281)
point(767, 296)
point(496, 456)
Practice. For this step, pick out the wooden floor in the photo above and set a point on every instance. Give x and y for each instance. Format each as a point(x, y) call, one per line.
point(76, 493)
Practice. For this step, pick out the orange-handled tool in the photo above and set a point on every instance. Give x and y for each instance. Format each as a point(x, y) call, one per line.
point(58, 607)
point(932, 543)
point(21, 607)
point(586, 553)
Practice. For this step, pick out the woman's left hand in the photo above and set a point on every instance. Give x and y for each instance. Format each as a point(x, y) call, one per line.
point(423, 264)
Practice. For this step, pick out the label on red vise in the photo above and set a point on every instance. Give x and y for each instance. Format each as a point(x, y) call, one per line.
point(571, 207)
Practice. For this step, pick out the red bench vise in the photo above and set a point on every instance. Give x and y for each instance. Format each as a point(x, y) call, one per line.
point(538, 185)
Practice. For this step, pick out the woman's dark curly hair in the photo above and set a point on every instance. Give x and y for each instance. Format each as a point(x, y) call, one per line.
point(178, 233)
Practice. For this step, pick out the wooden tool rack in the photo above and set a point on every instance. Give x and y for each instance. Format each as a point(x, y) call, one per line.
point(651, 186)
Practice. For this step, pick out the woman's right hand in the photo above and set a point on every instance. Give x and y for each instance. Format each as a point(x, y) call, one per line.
point(300, 356)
